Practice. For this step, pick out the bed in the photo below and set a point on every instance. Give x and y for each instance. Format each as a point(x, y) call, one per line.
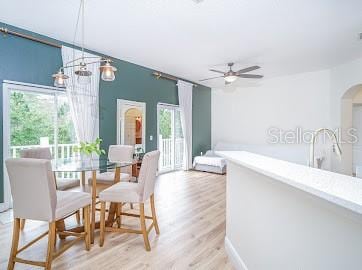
point(210, 162)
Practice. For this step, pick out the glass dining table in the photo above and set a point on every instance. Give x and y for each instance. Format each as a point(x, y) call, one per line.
point(91, 165)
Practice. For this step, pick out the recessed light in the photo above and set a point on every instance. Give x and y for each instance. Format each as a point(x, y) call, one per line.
point(197, 1)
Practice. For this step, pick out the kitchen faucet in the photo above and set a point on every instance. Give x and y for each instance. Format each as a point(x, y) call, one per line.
point(332, 136)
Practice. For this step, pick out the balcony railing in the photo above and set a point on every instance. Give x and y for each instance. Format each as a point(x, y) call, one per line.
point(171, 156)
point(62, 151)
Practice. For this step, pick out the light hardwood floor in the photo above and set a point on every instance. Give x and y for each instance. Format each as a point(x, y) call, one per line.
point(191, 214)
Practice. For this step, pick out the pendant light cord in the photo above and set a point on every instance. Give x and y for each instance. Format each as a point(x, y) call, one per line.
point(76, 29)
point(82, 29)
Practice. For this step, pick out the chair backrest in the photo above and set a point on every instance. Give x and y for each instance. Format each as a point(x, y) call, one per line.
point(33, 188)
point(147, 176)
point(121, 153)
point(39, 153)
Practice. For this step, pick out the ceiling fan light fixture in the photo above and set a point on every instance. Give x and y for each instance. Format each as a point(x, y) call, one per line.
point(230, 78)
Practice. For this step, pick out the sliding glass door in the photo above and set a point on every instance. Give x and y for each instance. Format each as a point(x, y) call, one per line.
point(170, 137)
point(37, 116)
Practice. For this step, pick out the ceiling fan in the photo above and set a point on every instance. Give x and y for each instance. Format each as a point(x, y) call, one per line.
point(231, 76)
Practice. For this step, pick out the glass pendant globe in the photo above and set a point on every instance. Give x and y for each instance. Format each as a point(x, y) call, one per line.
point(230, 79)
point(83, 80)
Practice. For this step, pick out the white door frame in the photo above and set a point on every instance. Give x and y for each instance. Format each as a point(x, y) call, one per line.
point(19, 86)
point(122, 106)
point(173, 108)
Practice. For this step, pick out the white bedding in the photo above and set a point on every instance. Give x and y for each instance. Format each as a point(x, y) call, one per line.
point(210, 159)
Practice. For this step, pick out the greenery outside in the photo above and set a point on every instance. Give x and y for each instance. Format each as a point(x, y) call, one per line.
point(32, 116)
point(165, 124)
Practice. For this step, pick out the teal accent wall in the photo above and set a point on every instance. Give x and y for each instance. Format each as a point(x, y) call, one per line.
point(31, 62)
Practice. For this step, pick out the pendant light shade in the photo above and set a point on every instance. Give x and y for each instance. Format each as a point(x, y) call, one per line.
point(83, 74)
point(108, 72)
point(59, 79)
point(83, 71)
point(84, 80)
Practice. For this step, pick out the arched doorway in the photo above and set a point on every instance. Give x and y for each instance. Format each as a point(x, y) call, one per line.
point(351, 103)
point(133, 127)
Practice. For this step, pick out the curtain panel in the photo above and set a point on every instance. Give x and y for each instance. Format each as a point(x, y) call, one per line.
point(83, 98)
point(185, 104)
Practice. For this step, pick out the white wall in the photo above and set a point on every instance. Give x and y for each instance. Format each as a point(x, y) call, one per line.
point(307, 100)
point(244, 115)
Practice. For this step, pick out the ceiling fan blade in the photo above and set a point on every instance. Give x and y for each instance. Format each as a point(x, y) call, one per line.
point(247, 69)
point(218, 71)
point(250, 76)
point(211, 78)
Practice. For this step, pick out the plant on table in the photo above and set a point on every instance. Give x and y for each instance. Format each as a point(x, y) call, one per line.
point(88, 149)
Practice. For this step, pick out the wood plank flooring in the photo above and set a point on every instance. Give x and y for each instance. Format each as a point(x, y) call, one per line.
point(191, 215)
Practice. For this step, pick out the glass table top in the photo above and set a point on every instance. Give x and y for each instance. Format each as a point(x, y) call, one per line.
point(77, 164)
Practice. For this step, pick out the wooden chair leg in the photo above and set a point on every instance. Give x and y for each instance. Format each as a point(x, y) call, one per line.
point(154, 218)
point(87, 227)
point(22, 224)
point(15, 243)
point(118, 214)
point(51, 239)
point(102, 223)
point(143, 227)
point(77, 216)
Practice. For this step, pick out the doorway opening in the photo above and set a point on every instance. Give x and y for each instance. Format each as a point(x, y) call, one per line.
point(131, 124)
point(170, 137)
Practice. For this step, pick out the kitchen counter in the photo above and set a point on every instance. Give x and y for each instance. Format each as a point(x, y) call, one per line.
point(281, 215)
point(343, 190)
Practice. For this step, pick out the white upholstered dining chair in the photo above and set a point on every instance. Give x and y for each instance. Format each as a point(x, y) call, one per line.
point(128, 192)
point(35, 197)
point(116, 153)
point(61, 184)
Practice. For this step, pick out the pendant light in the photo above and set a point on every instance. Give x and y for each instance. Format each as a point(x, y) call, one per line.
point(59, 78)
point(108, 72)
point(80, 64)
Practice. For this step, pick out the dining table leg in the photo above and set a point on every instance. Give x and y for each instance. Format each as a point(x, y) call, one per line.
point(94, 199)
point(82, 178)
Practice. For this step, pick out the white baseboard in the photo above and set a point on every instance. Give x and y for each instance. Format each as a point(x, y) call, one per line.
point(234, 256)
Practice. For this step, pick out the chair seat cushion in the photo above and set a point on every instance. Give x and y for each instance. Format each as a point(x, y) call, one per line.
point(108, 178)
point(68, 202)
point(121, 192)
point(65, 183)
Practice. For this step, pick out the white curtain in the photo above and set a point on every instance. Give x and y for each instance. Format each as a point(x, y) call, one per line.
point(185, 102)
point(83, 99)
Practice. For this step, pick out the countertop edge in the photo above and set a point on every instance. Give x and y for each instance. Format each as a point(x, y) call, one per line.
point(338, 200)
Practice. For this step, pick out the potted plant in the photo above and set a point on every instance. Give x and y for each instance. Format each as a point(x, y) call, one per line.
point(86, 149)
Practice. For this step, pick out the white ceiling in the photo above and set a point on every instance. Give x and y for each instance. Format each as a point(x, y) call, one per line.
point(185, 39)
